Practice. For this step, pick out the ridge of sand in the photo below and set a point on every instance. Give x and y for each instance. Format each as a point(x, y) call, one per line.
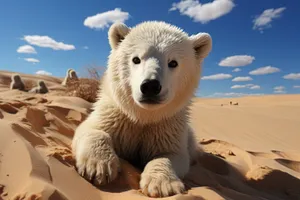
point(251, 151)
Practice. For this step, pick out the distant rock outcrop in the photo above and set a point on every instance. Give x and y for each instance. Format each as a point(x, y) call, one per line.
point(41, 88)
point(70, 76)
point(17, 83)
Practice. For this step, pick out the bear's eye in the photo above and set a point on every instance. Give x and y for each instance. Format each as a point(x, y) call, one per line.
point(173, 64)
point(136, 60)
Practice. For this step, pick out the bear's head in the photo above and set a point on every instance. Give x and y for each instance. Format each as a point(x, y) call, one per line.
point(154, 68)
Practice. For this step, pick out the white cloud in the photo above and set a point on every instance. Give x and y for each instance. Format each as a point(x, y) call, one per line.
point(217, 77)
point(265, 70)
point(234, 94)
point(236, 61)
point(242, 78)
point(255, 87)
point(47, 42)
point(296, 86)
point(102, 20)
point(26, 49)
point(43, 72)
point(249, 86)
point(238, 86)
point(203, 12)
point(32, 60)
point(236, 70)
point(292, 76)
point(279, 89)
point(85, 47)
point(231, 94)
point(264, 20)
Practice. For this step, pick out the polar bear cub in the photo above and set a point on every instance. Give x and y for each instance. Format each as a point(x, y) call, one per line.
point(142, 115)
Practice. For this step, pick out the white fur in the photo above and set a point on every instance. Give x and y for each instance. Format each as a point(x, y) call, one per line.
point(157, 136)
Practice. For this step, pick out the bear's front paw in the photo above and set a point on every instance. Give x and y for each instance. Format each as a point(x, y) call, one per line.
point(160, 185)
point(98, 170)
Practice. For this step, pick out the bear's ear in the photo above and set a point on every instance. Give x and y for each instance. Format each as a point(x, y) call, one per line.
point(202, 44)
point(117, 33)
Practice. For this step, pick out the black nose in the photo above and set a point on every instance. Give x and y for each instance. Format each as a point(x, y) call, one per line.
point(150, 87)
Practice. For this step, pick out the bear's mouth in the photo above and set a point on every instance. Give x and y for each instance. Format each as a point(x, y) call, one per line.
point(150, 100)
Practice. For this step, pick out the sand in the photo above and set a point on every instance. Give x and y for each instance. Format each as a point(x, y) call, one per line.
point(251, 150)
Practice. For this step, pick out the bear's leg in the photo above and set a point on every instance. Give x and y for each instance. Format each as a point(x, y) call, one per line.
point(161, 176)
point(95, 157)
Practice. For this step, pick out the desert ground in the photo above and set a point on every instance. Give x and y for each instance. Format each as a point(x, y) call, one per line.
point(251, 150)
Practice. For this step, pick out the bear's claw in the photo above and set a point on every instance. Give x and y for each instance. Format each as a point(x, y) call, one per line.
point(97, 171)
point(160, 186)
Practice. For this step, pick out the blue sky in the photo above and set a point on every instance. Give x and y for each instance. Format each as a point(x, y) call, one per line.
point(261, 39)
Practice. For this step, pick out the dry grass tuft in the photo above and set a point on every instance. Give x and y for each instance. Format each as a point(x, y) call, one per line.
point(86, 88)
point(94, 72)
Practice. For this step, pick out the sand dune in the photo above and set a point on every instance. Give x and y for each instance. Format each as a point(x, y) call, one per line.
point(251, 151)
